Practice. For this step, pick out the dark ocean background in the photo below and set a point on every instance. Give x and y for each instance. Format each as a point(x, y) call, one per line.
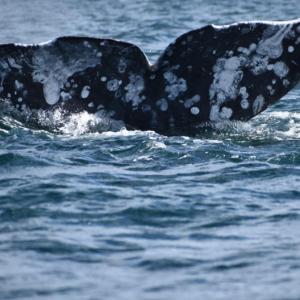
point(86, 214)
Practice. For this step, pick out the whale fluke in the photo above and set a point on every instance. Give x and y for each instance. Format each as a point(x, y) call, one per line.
point(206, 76)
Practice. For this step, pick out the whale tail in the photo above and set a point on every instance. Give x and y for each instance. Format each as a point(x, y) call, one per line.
point(212, 74)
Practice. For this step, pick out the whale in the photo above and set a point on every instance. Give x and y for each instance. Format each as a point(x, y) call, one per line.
point(206, 76)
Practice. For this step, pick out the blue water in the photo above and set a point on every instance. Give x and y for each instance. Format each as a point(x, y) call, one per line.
point(86, 214)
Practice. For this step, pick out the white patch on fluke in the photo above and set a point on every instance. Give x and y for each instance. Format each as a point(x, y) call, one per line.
point(195, 110)
point(281, 69)
point(122, 66)
point(162, 104)
point(226, 79)
point(113, 85)
point(65, 96)
point(270, 89)
point(190, 102)
point(272, 47)
point(134, 88)
point(225, 113)
point(244, 104)
point(13, 63)
point(51, 89)
point(19, 85)
point(243, 92)
point(214, 113)
point(229, 72)
point(258, 104)
point(259, 64)
point(85, 92)
point(285, 82)
point(52, 68)
point(175, 85)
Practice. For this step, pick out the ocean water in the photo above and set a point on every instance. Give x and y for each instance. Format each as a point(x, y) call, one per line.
point(92, 214)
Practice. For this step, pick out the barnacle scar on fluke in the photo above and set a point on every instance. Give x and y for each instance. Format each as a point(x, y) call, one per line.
point(207, 75)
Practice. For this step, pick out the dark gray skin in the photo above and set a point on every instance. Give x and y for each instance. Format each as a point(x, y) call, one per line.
point(206, 76)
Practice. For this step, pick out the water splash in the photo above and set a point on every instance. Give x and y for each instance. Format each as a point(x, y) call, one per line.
point(57, 121)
